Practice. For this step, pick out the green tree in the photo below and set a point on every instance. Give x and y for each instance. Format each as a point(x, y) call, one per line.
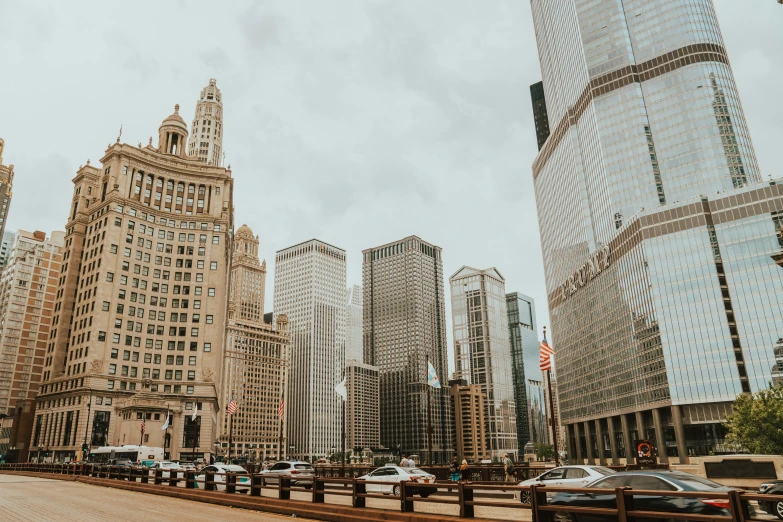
point(756, 422)
point(544, 451)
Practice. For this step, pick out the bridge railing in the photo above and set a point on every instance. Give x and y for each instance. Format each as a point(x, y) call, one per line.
point(739, 506)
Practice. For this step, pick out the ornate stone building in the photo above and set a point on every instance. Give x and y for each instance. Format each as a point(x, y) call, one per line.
point(206, 138)
point(140, 313)
point(255, 366)
point(6, 184)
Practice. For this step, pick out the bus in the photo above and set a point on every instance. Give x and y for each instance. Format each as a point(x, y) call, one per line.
point(143, 455)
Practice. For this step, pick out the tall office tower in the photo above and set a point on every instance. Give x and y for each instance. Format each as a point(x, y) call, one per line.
point(482, 352)
point(657, 232)
point(540, 117)
point(206, 136)
point(5, 247)
point(404, 326)
point(353, 325)
point(255, 365)
point(6, 186)
point(361, 413)
point(529, 385)
point(27, 288)
point(310, 290)
point(468, 403)
point(140, 316)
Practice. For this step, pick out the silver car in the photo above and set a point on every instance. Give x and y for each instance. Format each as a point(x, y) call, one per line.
point(566, 476)
point(300, 473)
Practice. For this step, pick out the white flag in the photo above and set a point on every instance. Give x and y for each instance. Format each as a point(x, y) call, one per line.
point(341, 390)
point(195, 412)
point(432, 377)
point(166, 424)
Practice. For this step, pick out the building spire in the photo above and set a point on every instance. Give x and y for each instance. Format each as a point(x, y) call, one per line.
point(206, 136)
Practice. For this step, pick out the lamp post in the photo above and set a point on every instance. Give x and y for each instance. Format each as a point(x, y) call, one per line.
point(291, 451)
point(86, 426)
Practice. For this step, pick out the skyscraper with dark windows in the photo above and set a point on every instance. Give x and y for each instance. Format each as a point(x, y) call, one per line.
point(540, 118)
point(658, 235)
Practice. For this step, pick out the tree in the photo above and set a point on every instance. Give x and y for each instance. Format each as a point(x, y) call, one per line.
point(756, 422)
point(544, 451)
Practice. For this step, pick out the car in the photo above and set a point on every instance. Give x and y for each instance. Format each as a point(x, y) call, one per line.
point(166, 466)
point(772, 487)
point(567, 476)
point(645, 480)
point(120, 463)
point(243, 480)
point(301, 473)
point(392, 475)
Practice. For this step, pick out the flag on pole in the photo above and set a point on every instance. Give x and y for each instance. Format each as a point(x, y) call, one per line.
point(166, 424)
point(195, 412)
point(232, 407)
point(432, 377)
point(280, 410)
point(545, 355)
point(341, 390)
point(143, 425)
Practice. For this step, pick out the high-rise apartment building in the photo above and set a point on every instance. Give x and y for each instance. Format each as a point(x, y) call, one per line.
point(140, 314)
point(529, 385)
point(361, 409)
point(310, 290)
point(27, 294)
point(5, 247)
point(404, 327)
point(6, 187)
point(540, 117)
point(657, 233)
point(354, 350)
point(206, 136)
point(255, 366)
point(468, 403)
point(482, 351)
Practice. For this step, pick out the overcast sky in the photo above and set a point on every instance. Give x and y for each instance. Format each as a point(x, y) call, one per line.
point(354, 122)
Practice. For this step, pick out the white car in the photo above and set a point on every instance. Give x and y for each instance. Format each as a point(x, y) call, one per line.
point(243, 481)
point(166, 466)
point(566, 476)
point(391, 476)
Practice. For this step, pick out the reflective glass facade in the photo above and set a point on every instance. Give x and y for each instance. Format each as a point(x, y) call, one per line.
point(482, 352)
point(657, 232)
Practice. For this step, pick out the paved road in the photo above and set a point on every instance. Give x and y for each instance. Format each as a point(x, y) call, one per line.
point(42, 500)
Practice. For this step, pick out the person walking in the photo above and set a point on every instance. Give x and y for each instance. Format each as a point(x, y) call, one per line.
point(404, 462)
point(454, 470)
point(508, 468)
point(463, 470)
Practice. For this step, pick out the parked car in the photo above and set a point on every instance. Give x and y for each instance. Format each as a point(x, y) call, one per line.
point(243, 480)
point(567, 476)
point(166, 466)
point(645, 480)
point(391, 476)
point(773, 487)
point(301, 473)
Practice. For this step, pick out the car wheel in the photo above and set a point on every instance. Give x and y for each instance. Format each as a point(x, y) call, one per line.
point(777, 509)
point(524, 496)
point(396, 491)
point(561, 516)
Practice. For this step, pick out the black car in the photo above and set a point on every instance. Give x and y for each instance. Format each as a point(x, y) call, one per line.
point(645, 480)
point(773, 487)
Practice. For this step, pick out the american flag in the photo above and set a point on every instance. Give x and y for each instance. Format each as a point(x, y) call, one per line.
point(545, 356)
point(143, 425)
point(232, 407)
point(280, 410)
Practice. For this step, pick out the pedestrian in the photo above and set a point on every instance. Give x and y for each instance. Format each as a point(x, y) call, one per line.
point(454, 470)
point(404, 462)
point(508, 467)
point(265, 466)
point(463, 470)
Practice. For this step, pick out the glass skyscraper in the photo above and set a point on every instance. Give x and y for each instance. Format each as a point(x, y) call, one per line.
point(529, 385)
point(657, 233)
point(482, 354)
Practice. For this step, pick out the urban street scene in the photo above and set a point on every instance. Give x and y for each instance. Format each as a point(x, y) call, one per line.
point(391, 260)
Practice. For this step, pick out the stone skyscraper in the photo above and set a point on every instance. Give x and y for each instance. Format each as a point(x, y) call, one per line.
point(353, 325)
point(6, 186)
point(404, 326)
point(140, 314)
point(206, 136)
point(657, 232)
point(482, 353)
point(255, 366)
point(27, 289)
point(310, 290)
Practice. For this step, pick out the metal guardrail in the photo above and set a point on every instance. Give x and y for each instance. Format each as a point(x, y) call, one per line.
point(737, 502)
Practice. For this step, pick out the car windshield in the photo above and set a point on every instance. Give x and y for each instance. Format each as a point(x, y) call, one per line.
point(696, 482)
point(603, 471)
point(416, 471)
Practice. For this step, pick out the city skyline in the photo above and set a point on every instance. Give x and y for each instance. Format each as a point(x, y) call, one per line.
point(280, 117)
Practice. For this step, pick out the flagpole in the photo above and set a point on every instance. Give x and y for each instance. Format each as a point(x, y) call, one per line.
point(141, 436)
point(230, 435)
point(343, 407)
point(552, 418)
point(429, 416)
point(280, 441)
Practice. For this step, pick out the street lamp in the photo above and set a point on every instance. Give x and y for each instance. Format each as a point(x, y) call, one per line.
point(217, 447)
point(331, 457)
point(86, 426)
point(291, 451)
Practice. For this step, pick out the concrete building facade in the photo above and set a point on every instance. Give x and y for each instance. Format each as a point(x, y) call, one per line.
point(5, 247)
point(206, 136)
point(140, 313)
point(361, 414)
point(468, 402)
point(310, 291)
point(6, 189)
point(354, 350)
point(404, 327)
